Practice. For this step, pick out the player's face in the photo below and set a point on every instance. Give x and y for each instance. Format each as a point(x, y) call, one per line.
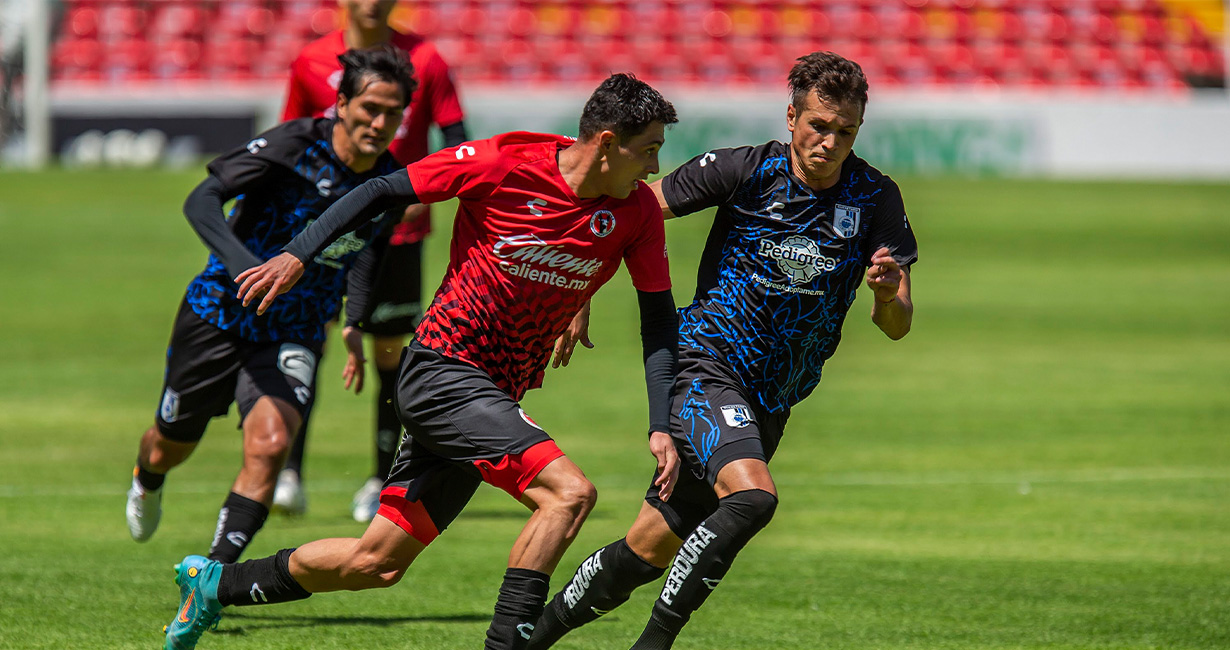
point(633, 160)
point(368, 14)
point(822, 135)
point(372, 117)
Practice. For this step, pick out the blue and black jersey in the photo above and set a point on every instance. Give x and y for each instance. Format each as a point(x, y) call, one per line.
point(782, 263)
point(282, 181)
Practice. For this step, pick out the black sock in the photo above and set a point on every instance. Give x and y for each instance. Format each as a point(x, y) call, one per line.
point(702, 561)
point(256, 582)
point(238, 521)
point(604, 581)
point(519, 606)
point(149, 480)
point(388, 425)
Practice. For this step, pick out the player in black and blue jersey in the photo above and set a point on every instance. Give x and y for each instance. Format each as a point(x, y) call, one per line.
point(799, 227)
point(222, 352)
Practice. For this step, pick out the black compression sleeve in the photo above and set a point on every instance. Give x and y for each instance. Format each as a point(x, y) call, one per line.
point(454, 134)
point(358, 206)
point(203, 208)
point(660, 341)
point(361, 279)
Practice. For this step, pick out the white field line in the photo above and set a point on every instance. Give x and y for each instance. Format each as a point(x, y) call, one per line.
point(851, 479)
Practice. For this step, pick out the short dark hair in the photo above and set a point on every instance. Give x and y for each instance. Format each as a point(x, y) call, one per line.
point(624, 105)
point(384, 63)
point(832, 77)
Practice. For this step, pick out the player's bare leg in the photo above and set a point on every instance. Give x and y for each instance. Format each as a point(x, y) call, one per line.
point(376, 560)
point(747, 499)
point(268, 430)
point(561, 498)
point(386, 353)
point(156, 456)
point(607, 578)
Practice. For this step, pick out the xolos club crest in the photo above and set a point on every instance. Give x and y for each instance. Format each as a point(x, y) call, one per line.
point(602, 223)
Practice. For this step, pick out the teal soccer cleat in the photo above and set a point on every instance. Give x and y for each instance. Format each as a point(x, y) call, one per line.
point(199, 609)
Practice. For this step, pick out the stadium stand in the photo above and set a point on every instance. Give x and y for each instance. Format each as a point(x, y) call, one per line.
point(1092, 45)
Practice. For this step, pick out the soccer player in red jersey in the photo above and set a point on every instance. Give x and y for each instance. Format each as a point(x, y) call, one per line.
point(543, 221)
point(396, 300)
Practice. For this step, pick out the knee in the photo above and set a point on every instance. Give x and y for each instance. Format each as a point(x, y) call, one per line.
point(752, 509)
point(577, 496)
point(267, 440)
point(367, 570)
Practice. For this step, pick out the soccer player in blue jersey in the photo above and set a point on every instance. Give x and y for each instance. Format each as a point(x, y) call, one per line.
point(222, 352)
point(799, 227)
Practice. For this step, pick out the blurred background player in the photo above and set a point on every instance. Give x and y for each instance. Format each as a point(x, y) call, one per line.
point(799, 226)
point(396, 302)
point(222, 352)
point(518, 272)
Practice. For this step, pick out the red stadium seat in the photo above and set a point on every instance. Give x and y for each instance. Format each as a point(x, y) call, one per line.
point(77, 60)
point(179, 59)
point(128, 60)
point(82, 22)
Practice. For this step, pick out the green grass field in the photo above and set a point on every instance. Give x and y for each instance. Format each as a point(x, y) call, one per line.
point(1042, 463)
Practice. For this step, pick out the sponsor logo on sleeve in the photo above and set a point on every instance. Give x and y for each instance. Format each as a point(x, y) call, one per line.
point(845, 220)
point(257, 144)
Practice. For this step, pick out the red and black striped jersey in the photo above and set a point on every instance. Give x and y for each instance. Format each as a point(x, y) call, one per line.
point(527, 252)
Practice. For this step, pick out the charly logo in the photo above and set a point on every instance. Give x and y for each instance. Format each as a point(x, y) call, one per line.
point(257, 144)
point(845, 220)
point(324, 187)
point(602, 223)
point(297, 362)
point(798, 257)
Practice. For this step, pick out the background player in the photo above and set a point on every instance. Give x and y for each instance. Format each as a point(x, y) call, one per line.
point(798, 227)
point(221, 351)
point(396, 301)
point(543, 221)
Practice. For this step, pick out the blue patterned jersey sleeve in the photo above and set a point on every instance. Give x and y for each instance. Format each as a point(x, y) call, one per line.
point(890, 228)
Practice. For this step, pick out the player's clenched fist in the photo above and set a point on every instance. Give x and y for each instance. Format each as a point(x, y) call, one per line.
point(884, 275)
point(271, 279)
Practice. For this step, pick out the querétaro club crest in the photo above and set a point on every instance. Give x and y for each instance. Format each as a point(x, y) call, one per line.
point(602, 223)
point(845, 220)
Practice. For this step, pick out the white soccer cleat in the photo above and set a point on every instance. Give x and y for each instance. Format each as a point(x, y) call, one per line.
point(367, 501)
point(144, 511)
point(289, 497)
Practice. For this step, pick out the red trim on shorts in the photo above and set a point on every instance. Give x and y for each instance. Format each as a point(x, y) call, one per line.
point(411, 516)
point(515, 472)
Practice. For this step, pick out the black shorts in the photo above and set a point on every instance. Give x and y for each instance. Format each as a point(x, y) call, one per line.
point(461, 430)
point(396, 303)
point(713, 422)
point(209, 367)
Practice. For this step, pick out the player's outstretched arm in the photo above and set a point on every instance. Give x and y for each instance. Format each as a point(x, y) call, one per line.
point(660, 342)
point(357, 207)
point(893, 309)
point(203, 208)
